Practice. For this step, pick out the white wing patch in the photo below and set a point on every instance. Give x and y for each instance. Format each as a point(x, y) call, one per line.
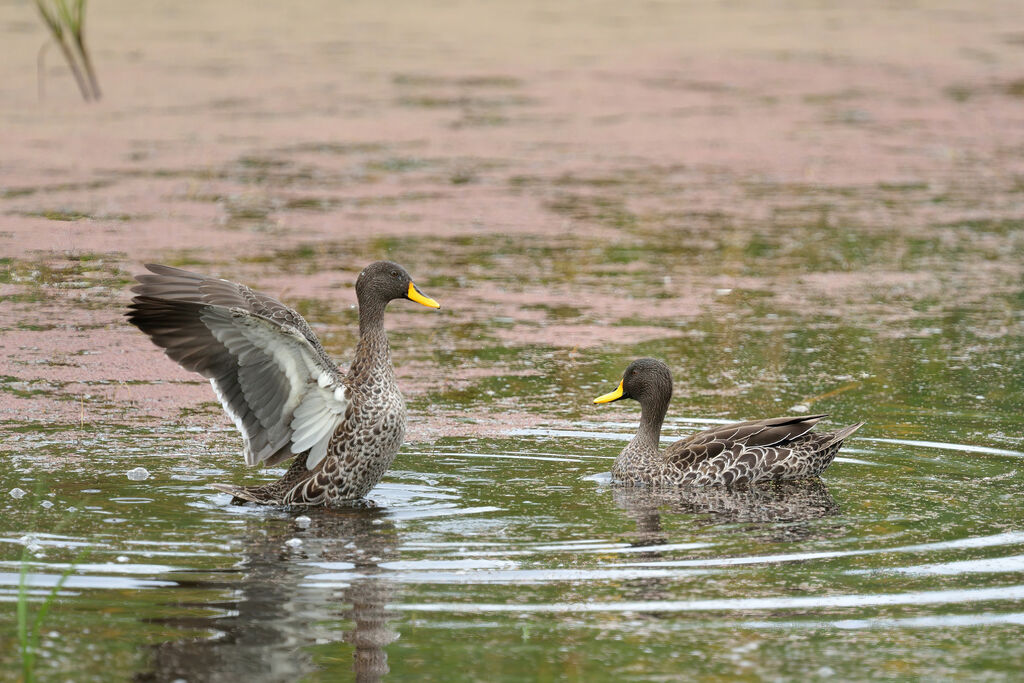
point(317, 417)
point(235, 417)
point(283, 383)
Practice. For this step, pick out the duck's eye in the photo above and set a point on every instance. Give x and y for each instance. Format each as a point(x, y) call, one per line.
point(394, 273)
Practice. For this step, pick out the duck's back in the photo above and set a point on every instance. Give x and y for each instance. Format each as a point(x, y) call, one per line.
point(754, 451)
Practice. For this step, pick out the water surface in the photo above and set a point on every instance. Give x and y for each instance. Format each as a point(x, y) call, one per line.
point(512, 557)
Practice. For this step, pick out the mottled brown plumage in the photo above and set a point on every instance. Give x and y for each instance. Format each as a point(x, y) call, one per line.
point(730, 455)
point(277, 383)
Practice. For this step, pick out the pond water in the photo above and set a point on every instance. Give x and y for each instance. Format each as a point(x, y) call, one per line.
point(511, 557)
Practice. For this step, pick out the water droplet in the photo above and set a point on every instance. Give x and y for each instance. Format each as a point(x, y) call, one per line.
point(17, 493)
point(293, 542)
point(122, 558)
point(138, 474)
point(303, 521)
point(800, 408)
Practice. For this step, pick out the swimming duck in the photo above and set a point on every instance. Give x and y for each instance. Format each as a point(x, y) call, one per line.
point(273, 377)
point(729, 455)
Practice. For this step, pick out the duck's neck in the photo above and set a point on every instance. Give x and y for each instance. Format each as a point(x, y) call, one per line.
point(373, 353)
point(642, 454)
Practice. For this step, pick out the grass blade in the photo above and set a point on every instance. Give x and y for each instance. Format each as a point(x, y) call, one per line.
point(60, 20)
point(27, 654)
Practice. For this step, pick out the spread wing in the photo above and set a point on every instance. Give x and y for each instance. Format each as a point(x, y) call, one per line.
point(167, 282)
point(737, 438)
point(265, 364)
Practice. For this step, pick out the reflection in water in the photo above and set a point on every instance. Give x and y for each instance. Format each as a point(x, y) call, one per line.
point(371, 633)
point(778, 509)
point(275, 615)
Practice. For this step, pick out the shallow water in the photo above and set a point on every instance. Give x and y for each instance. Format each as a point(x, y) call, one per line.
point(512, 557)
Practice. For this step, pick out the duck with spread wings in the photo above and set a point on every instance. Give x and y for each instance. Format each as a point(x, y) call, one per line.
point(273, 377)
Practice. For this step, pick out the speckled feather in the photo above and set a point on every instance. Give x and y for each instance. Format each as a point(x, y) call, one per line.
point(365, 444)
point(736, 454)
point(278, 384)
point(730, 456)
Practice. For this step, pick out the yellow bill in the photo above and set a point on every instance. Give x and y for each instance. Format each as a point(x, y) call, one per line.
point(613, 396)
point(418, 296)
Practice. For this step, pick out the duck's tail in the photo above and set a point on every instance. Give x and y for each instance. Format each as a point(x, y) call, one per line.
point(827, 446)
point(839, 436)
point(247, 494)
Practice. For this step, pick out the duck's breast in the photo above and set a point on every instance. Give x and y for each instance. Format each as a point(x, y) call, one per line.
point(368, 441)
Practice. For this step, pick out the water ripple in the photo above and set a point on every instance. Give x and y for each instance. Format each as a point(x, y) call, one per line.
point(1015, 592)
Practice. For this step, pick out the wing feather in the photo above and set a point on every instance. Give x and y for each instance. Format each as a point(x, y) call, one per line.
point(167, 282)
point(738, 437)
point(280, 373)
point(267, 368)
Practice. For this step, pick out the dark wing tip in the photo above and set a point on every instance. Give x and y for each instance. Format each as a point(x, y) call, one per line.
point(841, 435)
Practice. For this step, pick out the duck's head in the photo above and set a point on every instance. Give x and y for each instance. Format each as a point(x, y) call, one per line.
point(646, 380)
point(384, 281)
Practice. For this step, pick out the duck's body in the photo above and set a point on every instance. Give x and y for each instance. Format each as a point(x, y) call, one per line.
point(731, 455)
point(277, 383)
point(736, 454)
